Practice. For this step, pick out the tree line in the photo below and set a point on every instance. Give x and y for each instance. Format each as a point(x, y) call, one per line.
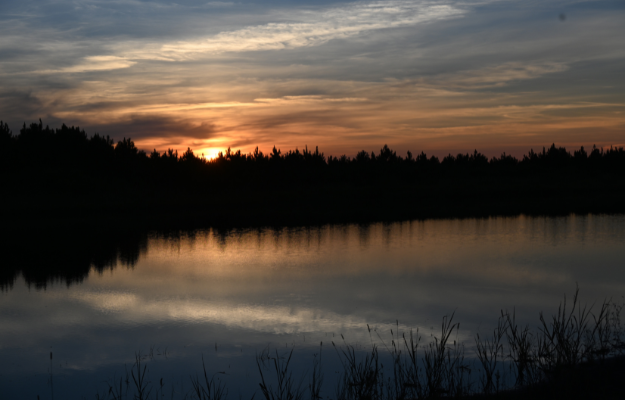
point(63, 174)
point(69, 152)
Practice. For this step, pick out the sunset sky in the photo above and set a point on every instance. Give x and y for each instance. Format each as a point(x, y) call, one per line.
point(437, 76)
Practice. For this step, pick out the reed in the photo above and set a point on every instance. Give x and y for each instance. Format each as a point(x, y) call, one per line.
point(286, 388)
point(316, 378)
point(209, 389)
point(490, 353)
point(362, 377)
point(140, 379)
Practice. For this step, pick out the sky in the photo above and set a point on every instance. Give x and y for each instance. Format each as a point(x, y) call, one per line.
point(435, 76)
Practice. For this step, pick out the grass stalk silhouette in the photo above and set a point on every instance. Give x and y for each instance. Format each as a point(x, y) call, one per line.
point(362, 377)
point(209, 389)
point(490, 354)
point(286, 387)
point(316, 378)
point(140, 379)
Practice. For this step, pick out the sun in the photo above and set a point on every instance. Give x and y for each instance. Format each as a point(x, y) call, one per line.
point(209, 153)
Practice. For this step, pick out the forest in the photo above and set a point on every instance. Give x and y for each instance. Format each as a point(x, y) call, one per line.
point(63, 173)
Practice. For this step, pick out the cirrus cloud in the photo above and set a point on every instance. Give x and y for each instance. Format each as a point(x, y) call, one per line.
point(93, 63)
point(320, 27)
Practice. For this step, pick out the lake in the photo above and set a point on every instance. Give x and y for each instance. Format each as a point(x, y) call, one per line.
point(228, 295)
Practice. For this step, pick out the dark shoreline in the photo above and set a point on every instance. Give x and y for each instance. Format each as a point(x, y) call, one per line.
point(596, 380)
point(307, 206)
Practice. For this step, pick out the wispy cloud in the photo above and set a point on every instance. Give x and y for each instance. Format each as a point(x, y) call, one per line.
point(499, 75)
point(319, 27)
point(93, 63)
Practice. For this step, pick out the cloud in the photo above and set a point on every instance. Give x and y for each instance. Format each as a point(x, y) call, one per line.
point(320, 27)
point(94, 63)
point(157, 126)
point(499, 75)
point(455, 83)
point(15, 102)
point(452, 74)
point(219, 4)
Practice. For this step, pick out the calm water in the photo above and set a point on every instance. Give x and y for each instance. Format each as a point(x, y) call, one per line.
point(227, 295)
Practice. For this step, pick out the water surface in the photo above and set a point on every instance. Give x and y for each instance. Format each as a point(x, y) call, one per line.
point(227, 295)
